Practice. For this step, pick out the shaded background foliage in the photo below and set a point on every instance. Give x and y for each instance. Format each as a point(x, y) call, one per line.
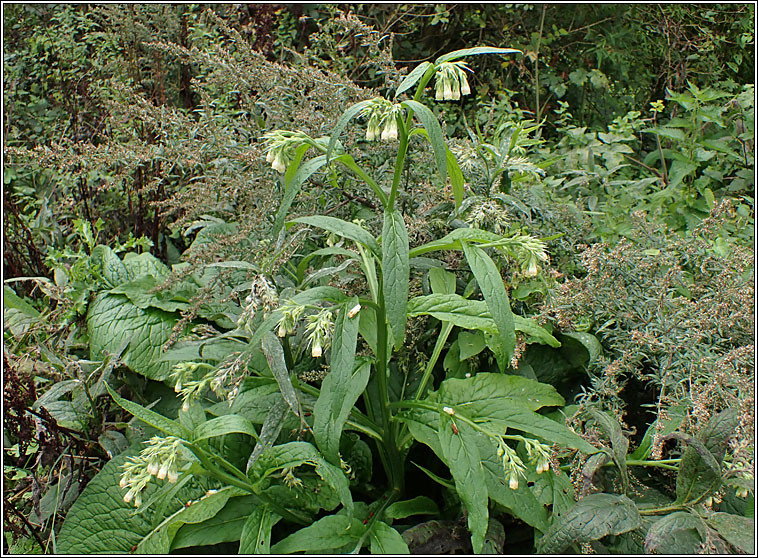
point(137, 126)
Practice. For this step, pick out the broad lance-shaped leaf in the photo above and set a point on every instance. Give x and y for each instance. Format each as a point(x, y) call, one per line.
point(676, 533)
point(412, 78)
point(474, 50)
point(737, 531)
point(341, 228)
point(420, 505)
point(452, 241)
point(292, 188)
point(395, 273)
point(341, 387)
point(385, 540)
point(434, 133)
point(158, 540)
point(100, 522)
point(112, 319)
point(156, 420)
point(256, 533)
point(700, 467)
point(619, 443)
point(275, 357)
point(461, 455)
point(495, 295)
point(294, 454)
point(592, 518)
point(223, 425)
point(328, 533)
point(348, 115)
point(269, 431)
point(225, 526)
point(456, 178)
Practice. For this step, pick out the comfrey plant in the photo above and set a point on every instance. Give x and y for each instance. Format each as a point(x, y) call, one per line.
point(485, 427)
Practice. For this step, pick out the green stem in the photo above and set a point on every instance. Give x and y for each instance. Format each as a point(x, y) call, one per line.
point(393, 495)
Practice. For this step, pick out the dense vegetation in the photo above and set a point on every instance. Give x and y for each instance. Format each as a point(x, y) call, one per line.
point(426, 278)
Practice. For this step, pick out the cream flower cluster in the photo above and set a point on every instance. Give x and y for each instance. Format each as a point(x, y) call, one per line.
point(281, 146)
point(451, 82)
point(262, 295)
point(319, 330)
point(512, 464)
point(158, 459)
point(382, 118)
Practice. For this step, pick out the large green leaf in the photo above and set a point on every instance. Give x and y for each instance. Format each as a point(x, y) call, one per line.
point(341, 387)
point(395, 273)
point(434, 133)
point(101, 522)
point(156, 420)
point(220, 426)
point(456, 178)
point(700, 467)
point(112, 268)
point(461, 454)
point(294, 454)
point(385, 540)
point(348, 115)
point(139, 292)
point(496, 297)
point(292, 188)
point(158, 540)
point(737, 531)
point(412, 78)
point(420, 505)
point(272, 348)
point(256, 533)
point(138, 265)
point(113, 319)
point(339, 227)
point(452, 241)
point(676, 533)
point(225, 526)
point(592, 518)
point(450, 56)
point(486, 395)
point(328, 533)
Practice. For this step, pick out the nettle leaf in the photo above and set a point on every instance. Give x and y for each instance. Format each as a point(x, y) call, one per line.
point(275, 357)
point(412, 78)
point(256, 533)
point(328, 533)
point(619, 443)
point(341, 387)
point(420, 505)
point(737, 531)
point(676, 533)
point(112, 319)
point(294, 454)
point(434, 133)
point(592, 518)
point(385, 540)
point(495, 295)
point(101, 522)
point(158, 540)
point(339, 227)
point(461, 454)
point(450, 56)
point(395, 273)
point(700, 467)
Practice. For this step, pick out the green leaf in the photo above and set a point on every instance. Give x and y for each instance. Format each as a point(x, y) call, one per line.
point(275, 357)
point(113, 319)
point(495, 295)
point(138, 292)
point(152, 418)
point(453, 308)
point(101, 522)
point(494, 540)
point(619, 443)
point(158, 540)
point(342, 122)
point(461, 455)
point(737, 531)
point(269, 431)
point(341, 387)
point(441, 281)
point(395, 273)
point(342, 228)
point(470, 344)
point(221, 426)
point(676, 533)
point(138, 265)
point(328, 533)
point(412, 78)
point(592, 518)
point(450, 56)
point(294, 454)
point(225, 526)
point(292, 188)
point(385, 540)
point(420, 505)
point(700, 467)
point(489, 395)
point(434, 133)
point(452, 241)
point(12, 300)
point(256, 533)
point(456, 178)
point(113, 270)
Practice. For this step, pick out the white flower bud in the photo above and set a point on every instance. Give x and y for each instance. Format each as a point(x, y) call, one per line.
point(465, 89)
point(278, 165)
point(185, 406)
point(122, 483)
point(282, 331)
point(450, 411)
point(163, 471)
point(513, 482)
point(173, 476)
point(128, 496)
point(316, 350)
point(153, 468)
point(137, 500)
point(353, 311)
point(447, 92)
